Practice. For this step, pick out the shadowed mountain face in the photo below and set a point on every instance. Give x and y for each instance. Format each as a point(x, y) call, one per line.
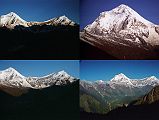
point(57, 38)
point(88, 51)
point(124, 34)
point(145, 108)
point(53, 103)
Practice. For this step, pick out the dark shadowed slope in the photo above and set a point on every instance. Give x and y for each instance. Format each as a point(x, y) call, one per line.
point(88, 51)
point(51, 42)
point(53, 103)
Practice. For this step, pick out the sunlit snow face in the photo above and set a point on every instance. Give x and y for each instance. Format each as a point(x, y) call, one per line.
point(4, 19)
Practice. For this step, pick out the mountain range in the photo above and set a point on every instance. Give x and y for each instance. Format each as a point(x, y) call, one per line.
point(11, 20)
point(144, 108)
point(104, 96)
point(33, 40)
point(12, 82)
point(47, 97)
point(124, 34)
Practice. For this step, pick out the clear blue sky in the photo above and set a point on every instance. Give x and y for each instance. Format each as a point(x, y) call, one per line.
point(40, 10)
point(106, 70)
point(42, 67)
point(90, 9)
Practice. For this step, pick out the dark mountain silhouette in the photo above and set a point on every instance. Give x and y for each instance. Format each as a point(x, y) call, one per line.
point(53, 103)
point(88, 51)
point(36, 42)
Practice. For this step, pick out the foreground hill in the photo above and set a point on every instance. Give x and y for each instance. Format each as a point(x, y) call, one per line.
point(56, 102)
point(145, 108)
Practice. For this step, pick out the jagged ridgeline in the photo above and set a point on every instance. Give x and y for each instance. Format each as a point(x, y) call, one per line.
point(144, 108)
point(122, 34)
point(101, 97)
point(54, 38)
point(54, 96)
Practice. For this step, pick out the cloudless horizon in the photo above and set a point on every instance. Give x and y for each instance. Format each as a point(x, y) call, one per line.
point(93, 70)
point(39, 68)
point(41, 10)
point(89, 10)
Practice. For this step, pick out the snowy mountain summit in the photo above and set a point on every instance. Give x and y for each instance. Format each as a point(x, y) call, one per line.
point(123, 33)
point(11, 20)
point(13, 79)
point(121, 80)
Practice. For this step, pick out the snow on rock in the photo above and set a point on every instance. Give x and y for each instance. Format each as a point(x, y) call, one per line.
point(11, 78)
point(124, 81)
point(12, 19)
point(123, 33)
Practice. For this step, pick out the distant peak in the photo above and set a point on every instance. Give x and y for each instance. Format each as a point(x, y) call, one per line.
point(123, 5)
point(10, 69)
point(152, 77)
point(123, 9)
point(62, 72)
point(64, 17)
point(12, 13)
point(120, 77)
point(121, 74)
point(99, 81)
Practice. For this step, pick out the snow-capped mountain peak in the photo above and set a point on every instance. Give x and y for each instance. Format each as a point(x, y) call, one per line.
point(11, 19)
point(152, 78)
point(10, 69)
point(63, 17)
point(100, 81)
point(122, 8)
point(62, 20)
point(123, 33)
point(12, 14)
point(62, 74)
point(10, 72)
point(120, 77)
point(11, 78)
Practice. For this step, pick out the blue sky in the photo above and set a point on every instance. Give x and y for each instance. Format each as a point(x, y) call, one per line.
point(42, 67)
point(40, 10)
point(106, 70)
point(90, 9)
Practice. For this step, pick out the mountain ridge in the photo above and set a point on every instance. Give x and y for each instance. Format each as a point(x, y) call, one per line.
point(114, 93)
point(11, 20)
point(12, 79)
point(122, 77)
